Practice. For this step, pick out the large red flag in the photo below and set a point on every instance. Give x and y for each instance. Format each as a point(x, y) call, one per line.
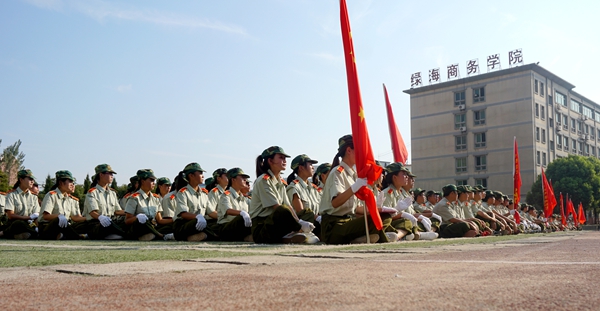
point(581, 214)
point(549, 198)
point(365, 161)
point(563, 218)
point(516, 180)
point(571, 210)
point(398, 147)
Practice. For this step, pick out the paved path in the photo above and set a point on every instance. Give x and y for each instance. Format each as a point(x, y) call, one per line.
point(553, 272)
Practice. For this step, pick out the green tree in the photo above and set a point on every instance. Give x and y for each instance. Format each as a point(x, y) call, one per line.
point(4, 186)
point(114, 184)
point(48, 184)
point(11, 161)
point(80, 194)
point(87, 183)
point(576, 176)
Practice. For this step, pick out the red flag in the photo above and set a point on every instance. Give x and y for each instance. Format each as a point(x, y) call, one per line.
point(516, 180)
point(398, 147)
point(571, 211)
point(549, 198)
point(365, 161)
point(563, 218)
point(581, 214)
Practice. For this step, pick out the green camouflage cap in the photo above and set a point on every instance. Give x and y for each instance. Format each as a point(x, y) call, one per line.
point(450, 187)
point(64, 174)
point(235, 172)
point(301, 160)
point(479, 188)
point(461, 189)
point(498, 194)
point(409, 173)
point(418, 191)
point(469, 188)
point(145, 173)
point(209, 181)
point(430, 193)
point(273, 150)
point(104, 168)
point(25, 173)
point(488, 194)
point(439, 193)
point(396, 167)
point(323, 168)
point(218, 172)
point(163, 181)
point(345, 141)
point(192, 167)
point(133, 179)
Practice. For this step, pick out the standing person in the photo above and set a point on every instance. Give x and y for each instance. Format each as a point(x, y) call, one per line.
point(101, 203)
point(452, 225)
point(22, 208)
point(234, 221)
point(339, 205)
point(215, 188)
point(58, 207)
point(142, 207)
point(273, 220)
point(191, 203)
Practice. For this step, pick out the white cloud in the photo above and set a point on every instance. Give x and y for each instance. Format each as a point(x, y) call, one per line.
point(124, 88)
point(101, 11)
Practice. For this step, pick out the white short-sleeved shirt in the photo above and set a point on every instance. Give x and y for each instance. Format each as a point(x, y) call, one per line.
point(57, 203)
point(168, 204)
point(191, 201)
point(339, 180)
point(22, 203)
point(230, 200)
point(103, 201)
point(307, 193)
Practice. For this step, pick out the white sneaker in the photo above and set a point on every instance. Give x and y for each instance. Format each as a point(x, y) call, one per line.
point(294, 238)
point(409, 237)
point(169, 237)
point(311, 238)
point(429, 235)
point(392, 236)
point(113, 237)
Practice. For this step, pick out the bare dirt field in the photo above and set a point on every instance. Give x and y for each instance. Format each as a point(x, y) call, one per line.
point(550, 272)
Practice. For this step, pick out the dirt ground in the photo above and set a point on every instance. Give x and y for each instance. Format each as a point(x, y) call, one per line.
point(540, 273)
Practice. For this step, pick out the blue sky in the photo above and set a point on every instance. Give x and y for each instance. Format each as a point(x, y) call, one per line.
point(159, 84)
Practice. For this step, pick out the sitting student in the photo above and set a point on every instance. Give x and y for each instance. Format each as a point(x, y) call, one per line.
point(452, 226)
point(234, 221)
point(142, 208)
point(22, 209)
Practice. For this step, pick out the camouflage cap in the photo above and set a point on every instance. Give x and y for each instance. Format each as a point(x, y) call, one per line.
point(218, 172)
point(133, 179)
point(64, 174)
point(498, 195)
point(418, 191)
point(469, 188)
point(104, 168)
point(323, 168)
point(479, 188)
point(163, 181)
point(192, 167)
point(145, 173)
point(449, 187)
point(273, 150)
point(25, 173)
point(345, 141)
point(430, 193)
point(461, 189)
point(302, 160)
point(409, 173)
point(235, 172)
point(396, 167)
point(209, 181)
point(439, 193)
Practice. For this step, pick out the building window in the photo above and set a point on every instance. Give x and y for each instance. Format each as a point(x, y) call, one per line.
point(543, 158)
point(565, 122)
point(573, 146)
point(543, 112)
point(537, 133)
point(535, 86)
point(579, 127)
point(551, 145)
point(573, 125)
point(558, 142)
point(587, 149)
point(460, 120)
point(479, 117)
point(543, 136)
point(461, 164)
point(579, 147)
point(479, 94)
point(459, 98)
point(481, 182)
point(586, 129)
point(542, 88)
point(597, 117)
point(537, 110)
point(461, 182)
point(460, 142)
point(566, 144)
point(588, 112)
point(593, 151)
point(599, 134)
point(480, 140)
point(550, 122)
point(480, 163)
point(538, 158)
point(560, 99)
point(575, 106)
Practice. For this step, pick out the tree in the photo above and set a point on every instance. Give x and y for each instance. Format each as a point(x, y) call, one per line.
point(87, 183)
point(80, 194)
point(4, 186)
point(114, 184)
point(11, 161)
point(48, 184)
point(577, 176)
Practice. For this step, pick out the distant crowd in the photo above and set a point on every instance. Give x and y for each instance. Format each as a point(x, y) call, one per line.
point(311, 205)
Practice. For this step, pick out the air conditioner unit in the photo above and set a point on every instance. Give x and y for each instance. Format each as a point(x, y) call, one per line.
point(463, 129)
point(462, 107)
point(587, 137)
point(580, 138)
point(558, 129)
point(558, 107)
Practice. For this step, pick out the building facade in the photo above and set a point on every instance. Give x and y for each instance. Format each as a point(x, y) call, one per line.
point(463, 130)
